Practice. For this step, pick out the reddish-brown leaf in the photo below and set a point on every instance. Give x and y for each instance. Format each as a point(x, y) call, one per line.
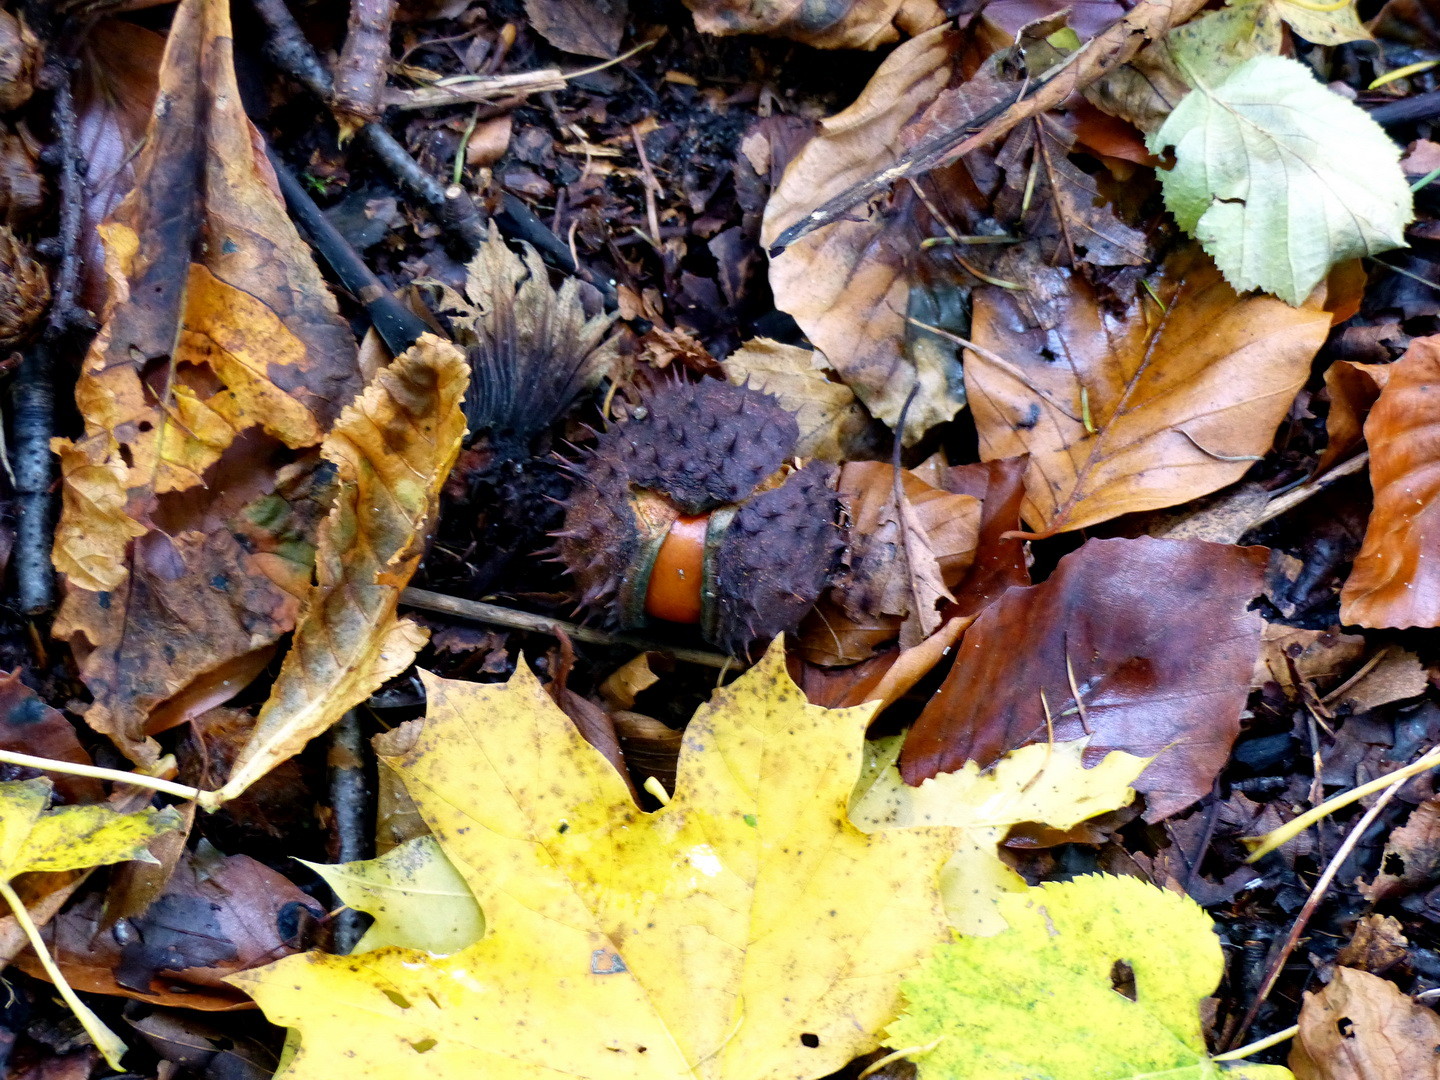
point(1353, 390)
point(1160, 647)
point(1396, 578)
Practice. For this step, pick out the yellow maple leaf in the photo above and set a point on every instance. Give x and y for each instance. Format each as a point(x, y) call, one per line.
point(747, 931)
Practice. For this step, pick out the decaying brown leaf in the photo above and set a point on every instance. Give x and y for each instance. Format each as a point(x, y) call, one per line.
point(1412, 856)
point(1143, 645)
point(586, 27)
point(907, 547)
point(1361, 1027)
point(393, 449)
point(1321, 657)
point(826, 24)
point(1137, 409)
point(833, 425)
point(1378, 944)
point(849, 284)
point(1396, 578)
point(222, 362)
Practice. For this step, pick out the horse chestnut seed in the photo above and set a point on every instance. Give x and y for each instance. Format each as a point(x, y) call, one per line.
point(690, 512)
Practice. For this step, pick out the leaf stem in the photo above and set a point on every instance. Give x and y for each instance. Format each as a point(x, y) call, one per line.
point(72, 768)
point(106, 1041)
point(1258, 1045)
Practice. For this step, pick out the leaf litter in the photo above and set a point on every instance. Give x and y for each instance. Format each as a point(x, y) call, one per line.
point(1126, 406)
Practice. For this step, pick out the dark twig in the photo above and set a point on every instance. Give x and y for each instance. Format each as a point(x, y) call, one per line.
point(1408, 110)
point(349, 808)
point(397, 325)
point(33, 394)
point(361, 72)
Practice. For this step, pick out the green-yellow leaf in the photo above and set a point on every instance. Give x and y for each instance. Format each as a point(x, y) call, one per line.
point(745, 931)
point(418, 899)
point(1049, 785)
point(70, 837)
point(1280, 179)
point(1046, 997)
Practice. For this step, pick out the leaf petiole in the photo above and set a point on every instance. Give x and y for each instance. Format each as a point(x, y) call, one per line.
point(72, 768)
point(106, 1041)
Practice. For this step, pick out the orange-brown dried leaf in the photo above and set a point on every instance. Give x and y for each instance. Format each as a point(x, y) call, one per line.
point(1362, 1027)
point(221, 363)
point(1136, 408)
point(393, 449)
point(1353, 390)
point(1396, 578)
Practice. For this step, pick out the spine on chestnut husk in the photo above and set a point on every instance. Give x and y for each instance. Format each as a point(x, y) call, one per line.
point(707, 465)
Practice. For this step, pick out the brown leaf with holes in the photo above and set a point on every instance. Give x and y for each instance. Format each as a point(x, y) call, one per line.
point(188, 505)
point(1132, 408)
point(1361, 1027)
point(1153, 636)
point(1412, 856)
point(393, 449)
point(826, 24)
point(1396, 578)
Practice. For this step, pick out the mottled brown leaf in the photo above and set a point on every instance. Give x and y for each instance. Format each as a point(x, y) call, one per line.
point(1134, 408)
point(826, 24)
point(1361, 1027)
point(1157, 639)
point(393, 449)
point(1396, 578)
point(221, 364)
point(1412, 856)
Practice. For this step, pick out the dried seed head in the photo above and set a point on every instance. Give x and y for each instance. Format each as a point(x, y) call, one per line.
point(24, 291)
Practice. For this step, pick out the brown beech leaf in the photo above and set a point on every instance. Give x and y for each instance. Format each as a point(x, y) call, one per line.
point(906, 549)
point(849, 284)
point(1412, 856)
point(393, 449)
point(29, 726)
point(1154, 637)
point(1396, 578)
point(1353, 389)
point(826, 24)
point(1362, 1027)
point(1136, 408)
point(221, 363)
point(1000, 559)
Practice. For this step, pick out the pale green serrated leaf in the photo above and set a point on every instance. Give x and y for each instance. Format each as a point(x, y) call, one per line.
point(1046, 784)
point(1053, 973)
point(418, 898)
point(1280, 179)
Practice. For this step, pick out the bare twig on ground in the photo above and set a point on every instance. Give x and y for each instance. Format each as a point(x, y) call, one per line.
point(350, 824)
point(362, 70)
point(1283, 504)
point(1148, 21)
point(494, 615)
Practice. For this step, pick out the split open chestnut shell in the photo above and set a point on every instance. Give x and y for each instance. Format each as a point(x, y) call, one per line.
point(692, 511)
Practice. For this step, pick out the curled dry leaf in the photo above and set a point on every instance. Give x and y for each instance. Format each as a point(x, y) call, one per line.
point(826, 24)
point(1151, 636)
point(907, 547)
point(1396, 578)
point(1361, 1027)
point(849, 284)
point(833, 425)
point(1353, 390)
point(221, 363)
point(393, 449)
point(1136, 409)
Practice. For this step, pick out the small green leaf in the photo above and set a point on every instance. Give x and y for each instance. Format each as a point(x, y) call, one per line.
point(1280, 179)
point(418, 898)
point(1106, 974)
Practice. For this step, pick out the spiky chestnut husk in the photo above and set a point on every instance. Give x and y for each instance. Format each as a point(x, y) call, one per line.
point(771, 542)
point(702, 444)
point(774, 559)
point(24, 291)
